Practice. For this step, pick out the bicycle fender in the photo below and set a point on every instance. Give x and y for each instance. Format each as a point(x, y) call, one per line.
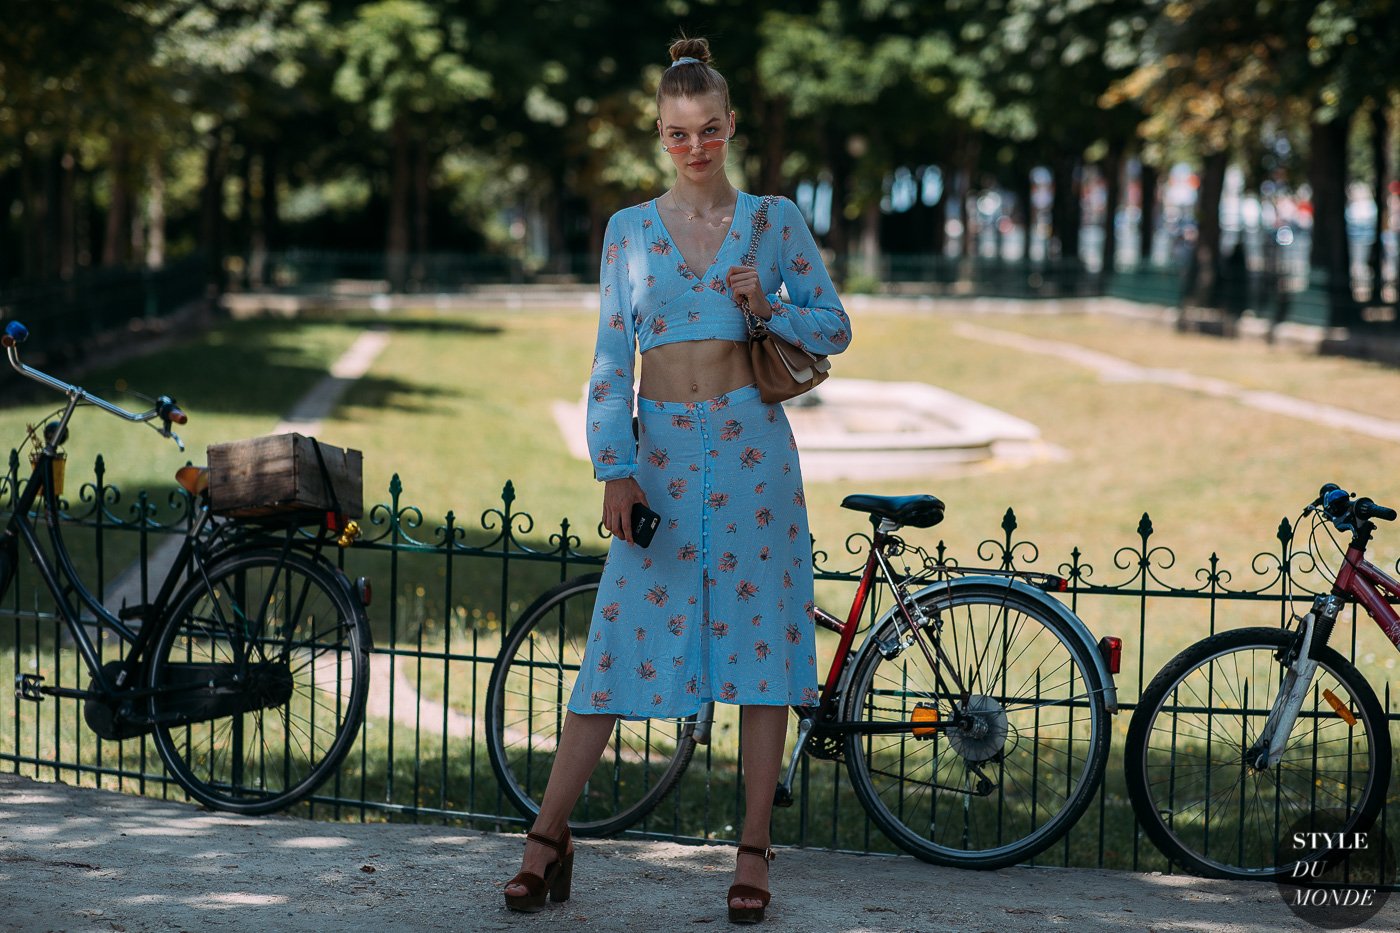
point(998, 585)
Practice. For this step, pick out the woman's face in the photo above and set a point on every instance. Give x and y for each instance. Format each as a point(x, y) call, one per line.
point(691, 121)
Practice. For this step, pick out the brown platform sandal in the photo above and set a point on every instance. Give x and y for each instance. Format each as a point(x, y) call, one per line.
point(558, 877)
point(749, 914)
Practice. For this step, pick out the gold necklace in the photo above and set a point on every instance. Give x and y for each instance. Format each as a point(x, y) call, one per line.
point(691, 215)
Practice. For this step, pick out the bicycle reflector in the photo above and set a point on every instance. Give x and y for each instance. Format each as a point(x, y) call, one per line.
point(923, 712)
point(1111, 648)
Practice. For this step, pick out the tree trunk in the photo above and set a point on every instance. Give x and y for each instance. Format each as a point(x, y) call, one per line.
point(68, 218)
point(271, 213)
point(116, 237)
point(967, 202)
point(397, 241)
point(1112, 169)
point(773, 115)
point(1066, 211)
point(938, 232)
point(422, 168)
point(838, 159)
point(1023, 212)
point(29, 228)
point(1147, 217)
point(1202, 283)
point(1327, 174)
point(245, 227)
point(48, 217)
point(870, 242)
point(1380, 139)
point(155, 215)
point(211, 219)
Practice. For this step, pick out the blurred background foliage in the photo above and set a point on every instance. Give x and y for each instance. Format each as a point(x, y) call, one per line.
point(135, 131)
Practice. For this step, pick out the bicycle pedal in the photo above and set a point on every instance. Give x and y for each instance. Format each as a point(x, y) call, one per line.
point(29, 687)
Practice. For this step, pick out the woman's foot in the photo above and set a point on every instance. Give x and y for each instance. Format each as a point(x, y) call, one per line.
point(540, 859)
point(750, 870)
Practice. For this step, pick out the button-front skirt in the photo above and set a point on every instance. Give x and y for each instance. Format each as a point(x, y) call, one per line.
point(720, 605)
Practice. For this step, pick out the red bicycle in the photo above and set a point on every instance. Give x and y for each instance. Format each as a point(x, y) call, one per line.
point(973, 718)
point(1250, 733)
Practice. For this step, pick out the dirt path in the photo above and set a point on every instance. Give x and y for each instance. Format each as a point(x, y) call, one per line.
point(77, 859)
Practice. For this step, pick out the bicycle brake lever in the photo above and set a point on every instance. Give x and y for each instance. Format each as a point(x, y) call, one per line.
point(166, 432)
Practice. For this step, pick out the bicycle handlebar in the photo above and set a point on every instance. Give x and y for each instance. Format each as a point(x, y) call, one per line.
point(1339, 508)
point(165, 408)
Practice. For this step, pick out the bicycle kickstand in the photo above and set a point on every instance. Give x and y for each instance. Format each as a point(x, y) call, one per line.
point(782, 797)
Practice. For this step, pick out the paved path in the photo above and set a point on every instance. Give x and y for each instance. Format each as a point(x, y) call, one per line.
point(305, 417)
point(1116, 369)
point(77, 859)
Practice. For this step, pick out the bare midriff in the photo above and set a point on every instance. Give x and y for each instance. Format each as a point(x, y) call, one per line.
point(694, 370)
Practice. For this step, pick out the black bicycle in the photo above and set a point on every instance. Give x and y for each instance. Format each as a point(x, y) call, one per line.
point(250, 665)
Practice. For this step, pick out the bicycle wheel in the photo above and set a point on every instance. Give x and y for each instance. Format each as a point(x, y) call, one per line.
point(1017, 775)
point(262, 676)
point(530, 687)
point(1185, 761)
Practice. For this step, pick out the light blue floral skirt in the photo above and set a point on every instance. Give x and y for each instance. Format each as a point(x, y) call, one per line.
point(720, 605)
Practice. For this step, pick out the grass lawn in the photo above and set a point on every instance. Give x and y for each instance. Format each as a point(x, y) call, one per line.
point(460, 402)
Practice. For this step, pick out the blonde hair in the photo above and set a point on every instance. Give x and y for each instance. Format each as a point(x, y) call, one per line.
point(691, 79)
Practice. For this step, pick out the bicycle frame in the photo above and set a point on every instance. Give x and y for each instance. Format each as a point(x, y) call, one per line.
point(21, 529)
point(1363, 581)
point(824, 719)
point(1357, 579)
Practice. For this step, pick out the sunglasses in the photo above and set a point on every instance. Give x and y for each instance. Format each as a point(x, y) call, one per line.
point(708, 144)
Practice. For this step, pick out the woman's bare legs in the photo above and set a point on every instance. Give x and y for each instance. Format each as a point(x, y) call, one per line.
point(581, 744)
point(765, 728)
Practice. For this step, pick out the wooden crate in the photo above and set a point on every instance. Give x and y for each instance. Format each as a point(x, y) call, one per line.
point(279, 474)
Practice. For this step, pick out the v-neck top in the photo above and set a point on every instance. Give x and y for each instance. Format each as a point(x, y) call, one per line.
point(649, 296)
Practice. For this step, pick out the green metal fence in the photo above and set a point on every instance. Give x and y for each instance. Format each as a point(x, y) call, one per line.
point(68, 316)
point(448, 589)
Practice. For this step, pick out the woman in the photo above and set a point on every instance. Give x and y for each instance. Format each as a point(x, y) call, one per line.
point(719, 605)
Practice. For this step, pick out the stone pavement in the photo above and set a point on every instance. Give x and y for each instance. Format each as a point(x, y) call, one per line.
point(78, 859)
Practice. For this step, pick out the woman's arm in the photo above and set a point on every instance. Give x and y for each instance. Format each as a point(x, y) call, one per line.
point(813, 317)
point(610, 442)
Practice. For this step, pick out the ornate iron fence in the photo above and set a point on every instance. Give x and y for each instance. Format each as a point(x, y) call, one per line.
point(454, 588)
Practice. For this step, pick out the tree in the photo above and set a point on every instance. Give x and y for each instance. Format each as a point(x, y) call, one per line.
point(407, 65)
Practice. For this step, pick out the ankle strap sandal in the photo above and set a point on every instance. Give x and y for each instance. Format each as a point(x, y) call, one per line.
point(556, 883)
point(748, 891)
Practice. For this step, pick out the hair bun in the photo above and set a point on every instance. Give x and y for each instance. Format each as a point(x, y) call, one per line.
point(691, 48)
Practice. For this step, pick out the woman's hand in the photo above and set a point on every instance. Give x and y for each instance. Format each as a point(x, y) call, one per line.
point(618, 497)
point(743, 283)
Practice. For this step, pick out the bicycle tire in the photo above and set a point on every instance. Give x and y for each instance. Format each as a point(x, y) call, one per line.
point(928, 806)
point(1167, 808)
point(530, 685)
point(303, 667)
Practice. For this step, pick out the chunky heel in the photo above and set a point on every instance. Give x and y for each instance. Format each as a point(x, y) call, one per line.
point(563, 881)
point(749, 914)
point(558, 877)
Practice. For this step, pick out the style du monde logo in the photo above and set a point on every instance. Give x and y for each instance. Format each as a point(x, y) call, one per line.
point(1337, 876)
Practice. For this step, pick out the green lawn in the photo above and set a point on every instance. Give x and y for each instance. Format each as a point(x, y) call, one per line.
point(461, 402)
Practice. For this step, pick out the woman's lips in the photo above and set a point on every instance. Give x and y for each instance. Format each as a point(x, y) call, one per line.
point(699, 164)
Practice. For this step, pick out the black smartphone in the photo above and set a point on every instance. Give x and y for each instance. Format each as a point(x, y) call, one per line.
point(644, 524)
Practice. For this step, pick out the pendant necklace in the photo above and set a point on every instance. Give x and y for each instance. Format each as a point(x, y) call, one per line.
point(691, 215)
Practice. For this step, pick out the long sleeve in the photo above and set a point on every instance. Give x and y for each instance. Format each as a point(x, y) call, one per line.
point(611, 445)
point(813, 317)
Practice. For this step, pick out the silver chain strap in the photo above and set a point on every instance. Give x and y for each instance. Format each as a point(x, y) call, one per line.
point(755, 323)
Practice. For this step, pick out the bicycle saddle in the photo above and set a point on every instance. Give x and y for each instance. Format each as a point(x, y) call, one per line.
point(915, 511)
point(194, 479)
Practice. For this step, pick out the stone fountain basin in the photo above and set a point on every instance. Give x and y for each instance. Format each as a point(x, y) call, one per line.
point(871, 429)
